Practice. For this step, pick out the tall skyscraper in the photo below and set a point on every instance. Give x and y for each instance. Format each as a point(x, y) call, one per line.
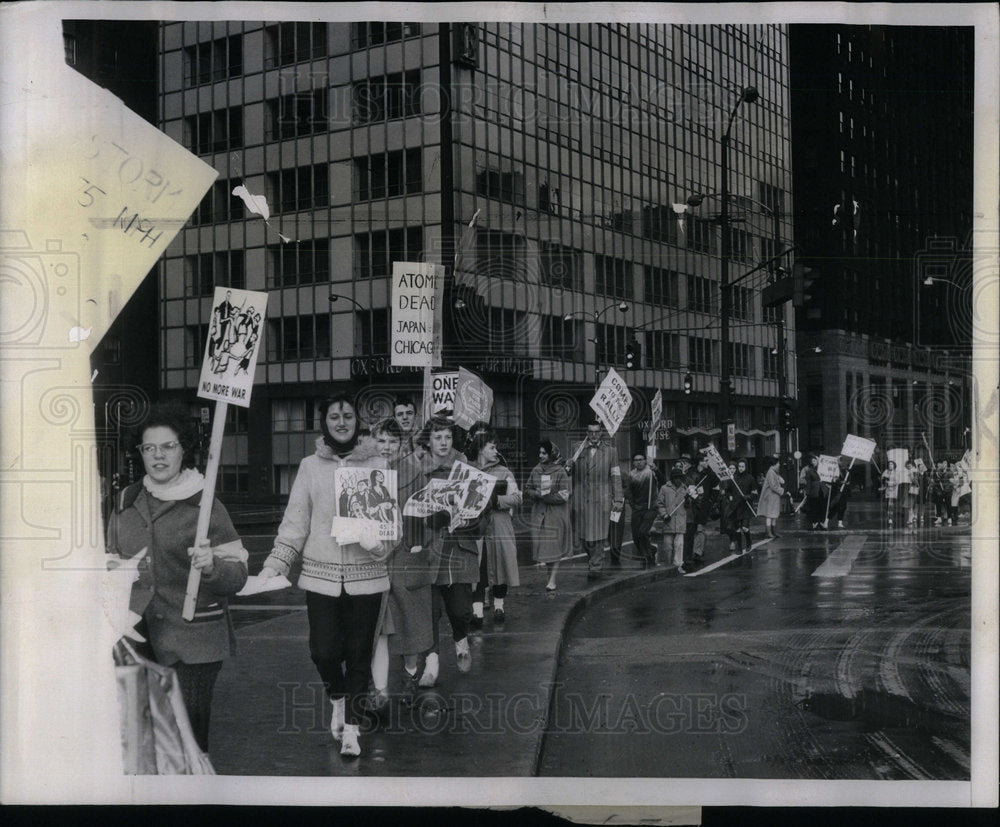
point(882, 162)
point(578, 145)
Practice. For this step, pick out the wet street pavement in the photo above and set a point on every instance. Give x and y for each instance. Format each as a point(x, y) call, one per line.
point(820, 655)
point(817, 656)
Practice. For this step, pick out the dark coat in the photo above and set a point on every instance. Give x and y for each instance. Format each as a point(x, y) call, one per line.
point(167, 530)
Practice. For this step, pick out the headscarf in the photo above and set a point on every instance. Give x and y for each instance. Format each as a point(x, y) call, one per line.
point(341, 449)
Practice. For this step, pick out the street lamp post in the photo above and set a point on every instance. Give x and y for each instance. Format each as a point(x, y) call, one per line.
point(748, 94)
point(622, 306)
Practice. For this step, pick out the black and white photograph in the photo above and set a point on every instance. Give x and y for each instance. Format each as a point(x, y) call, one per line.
point(721, 285)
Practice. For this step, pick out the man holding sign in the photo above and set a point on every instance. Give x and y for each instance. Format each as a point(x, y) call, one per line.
point(597, 494)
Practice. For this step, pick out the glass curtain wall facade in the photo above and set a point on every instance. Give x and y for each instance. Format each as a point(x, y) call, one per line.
point(578, 145)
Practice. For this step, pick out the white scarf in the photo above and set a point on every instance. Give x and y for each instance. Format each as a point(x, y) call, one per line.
point(186, 484)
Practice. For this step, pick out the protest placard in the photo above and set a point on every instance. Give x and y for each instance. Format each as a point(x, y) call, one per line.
point(473, 399)
point(417, 294)
point(439, 392)
point(365, 500)
point(657, 413)
point(235, 333)
point(858, 447)
point(828, 468)
point(717, 463)
point(612, 401)
point(477, 488)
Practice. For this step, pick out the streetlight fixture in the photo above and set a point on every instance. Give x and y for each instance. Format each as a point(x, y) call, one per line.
point(335, 297)
point(748, 94)
point(622, 306)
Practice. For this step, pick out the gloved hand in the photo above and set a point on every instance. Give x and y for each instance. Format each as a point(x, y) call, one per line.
point(438, 520)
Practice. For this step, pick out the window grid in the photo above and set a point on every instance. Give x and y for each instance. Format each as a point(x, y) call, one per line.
point(374, 252)
point(613, 277)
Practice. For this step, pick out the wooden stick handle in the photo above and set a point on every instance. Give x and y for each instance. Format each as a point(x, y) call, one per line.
point(205, 507)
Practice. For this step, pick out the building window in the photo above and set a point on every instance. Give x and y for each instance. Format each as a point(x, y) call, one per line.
point(507, 410)
point(206, 271)
point(611, 343)
point(500, 255)
point(236, 420)
point(663, 350)
point(216, 131)
point(388, 174)
point(548, 199)
point(307, 262)
point(506, 332)
point(700, 354)
point(375, 252)
point(743, 417)
point(702, 294)
point(219, 206)
point(562, 338)
point(212, 61)
point(701, 416)
point(374, 335)
point(234, 479)
point(772, 364)
point(294, 416)
point(302, 113)
point(388, 97)
point(772, 197)
point(659, 223)
point(364, 35)
point(69, 48)
point(300, 188)
point(701, 235)
point(290, 43)
point(298, 337)
point(774, 315)
point(742, 303)
point(740, 359)
point(561, 267)
point(613, 277)
point(195, 336)
point(502, 186)
point(660, 286)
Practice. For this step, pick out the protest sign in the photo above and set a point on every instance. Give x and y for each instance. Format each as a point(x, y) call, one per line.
point(473, 399)
point(828, 468)
point(921, 465)
point(439, 392)
point(366, 500)
point(657, 411)
point(417, 294)
point(612, 401)
point(858, 447)
point(717, 463)
point(235, 334)
point(474, 495)
point(437, 495)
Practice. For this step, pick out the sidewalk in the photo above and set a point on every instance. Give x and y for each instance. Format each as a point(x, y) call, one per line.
point(270, 715)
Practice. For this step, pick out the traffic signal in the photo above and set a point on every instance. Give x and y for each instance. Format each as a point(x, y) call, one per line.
point(688, 383)
point(787, 415)
point(802, 279)
point(633, 354)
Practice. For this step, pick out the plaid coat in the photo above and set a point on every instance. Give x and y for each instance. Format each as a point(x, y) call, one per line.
point(597, 484)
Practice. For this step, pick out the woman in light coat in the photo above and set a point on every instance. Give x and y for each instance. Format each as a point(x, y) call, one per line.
point(771, 492)
point(549, 488)
point(671, 508)
point(498, 562)
point(344, 583)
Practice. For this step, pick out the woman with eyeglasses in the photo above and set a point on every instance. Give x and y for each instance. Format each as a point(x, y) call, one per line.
point(160, 514)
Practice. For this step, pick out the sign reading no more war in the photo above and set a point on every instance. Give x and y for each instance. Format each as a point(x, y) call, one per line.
point(235, 333)
point(417, 294)
point(612, 401)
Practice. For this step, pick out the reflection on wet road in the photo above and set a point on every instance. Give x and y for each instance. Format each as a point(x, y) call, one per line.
point(815, 657)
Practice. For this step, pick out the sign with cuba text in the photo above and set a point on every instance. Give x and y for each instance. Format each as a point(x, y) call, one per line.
point(612, 401)
point(235, 333)
point(828, 468)
point(417, 294)
point(473, 399)
point(858, 448)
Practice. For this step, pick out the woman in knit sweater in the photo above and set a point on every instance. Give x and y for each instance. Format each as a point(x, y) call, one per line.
point(343, 582)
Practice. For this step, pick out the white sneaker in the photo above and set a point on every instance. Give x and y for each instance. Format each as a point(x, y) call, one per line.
point(840, 523)
point(462, 655)
point(337, 719)
point(937, 521)
point(430, 675)
point(350, 746)
point(949, 521)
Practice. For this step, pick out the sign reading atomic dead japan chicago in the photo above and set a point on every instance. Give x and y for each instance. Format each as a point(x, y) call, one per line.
point(417, 293)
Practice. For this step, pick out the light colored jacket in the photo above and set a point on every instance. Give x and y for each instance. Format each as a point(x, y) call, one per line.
point(672, 497)
point(327, 567)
